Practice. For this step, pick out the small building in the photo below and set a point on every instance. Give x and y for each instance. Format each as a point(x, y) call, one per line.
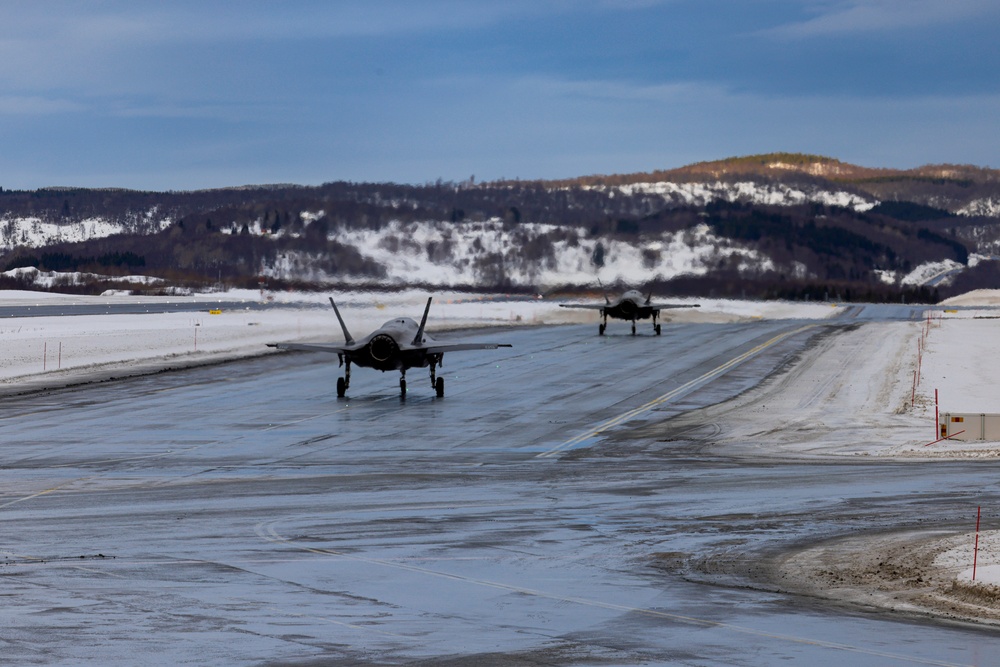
point(969, 426)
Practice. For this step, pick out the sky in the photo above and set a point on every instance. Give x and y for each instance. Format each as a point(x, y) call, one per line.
point(189, 95)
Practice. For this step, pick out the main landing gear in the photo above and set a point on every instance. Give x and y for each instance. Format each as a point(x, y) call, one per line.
point(656, 327)
point(345, 382)
point(436, 382)
point(603, 325)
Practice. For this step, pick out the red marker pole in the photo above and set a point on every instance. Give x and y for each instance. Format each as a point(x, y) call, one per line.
point(975, 551)
point(920, 359)
point(937, 418)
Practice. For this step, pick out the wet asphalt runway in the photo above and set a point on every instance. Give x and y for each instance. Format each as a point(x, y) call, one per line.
point(241, 514)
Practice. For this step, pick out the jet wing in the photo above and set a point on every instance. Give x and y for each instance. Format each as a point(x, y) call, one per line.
point(441, 348)
point(588, 306)
point(664, 306)
point(314, 347)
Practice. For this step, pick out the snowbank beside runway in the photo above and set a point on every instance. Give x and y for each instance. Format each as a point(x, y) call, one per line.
point(923, 572)
point(869, 389)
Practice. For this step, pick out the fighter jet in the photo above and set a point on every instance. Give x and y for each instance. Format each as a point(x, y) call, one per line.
point(397, 345)
point(630, 306)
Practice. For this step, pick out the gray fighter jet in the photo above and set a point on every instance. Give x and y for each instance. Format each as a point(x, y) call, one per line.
point(397, 345)
point(630, 306)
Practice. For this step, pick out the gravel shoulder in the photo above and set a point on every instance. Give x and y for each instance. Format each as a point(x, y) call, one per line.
point(922, 572)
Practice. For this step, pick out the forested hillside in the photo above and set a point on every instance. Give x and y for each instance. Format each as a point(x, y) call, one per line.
point(780, 225)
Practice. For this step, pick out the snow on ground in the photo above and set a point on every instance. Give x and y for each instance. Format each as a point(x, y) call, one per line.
point(927, 272)
point(775, 194)
point(443, 253)
point(34, 232)
point(988, 207)
point(50, 279)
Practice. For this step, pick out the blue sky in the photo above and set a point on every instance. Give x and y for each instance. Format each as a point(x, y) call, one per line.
point(188, 95)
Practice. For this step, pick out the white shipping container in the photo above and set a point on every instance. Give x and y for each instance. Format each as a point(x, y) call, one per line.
point(969, 426)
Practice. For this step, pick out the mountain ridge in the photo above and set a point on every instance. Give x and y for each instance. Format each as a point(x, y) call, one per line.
point(768, 225)
point(779, 163)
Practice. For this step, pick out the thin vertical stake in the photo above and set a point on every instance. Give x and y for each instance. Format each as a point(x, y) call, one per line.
point(975, 551)
point(60, 355)
point(45, 354)
point(937, 417)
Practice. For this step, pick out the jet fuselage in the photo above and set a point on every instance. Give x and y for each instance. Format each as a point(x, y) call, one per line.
point(382, 351)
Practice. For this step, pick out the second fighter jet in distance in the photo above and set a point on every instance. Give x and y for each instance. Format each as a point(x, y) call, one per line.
point(630, 306)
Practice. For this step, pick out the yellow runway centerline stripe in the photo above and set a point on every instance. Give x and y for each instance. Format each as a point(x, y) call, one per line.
point(36, 495)
point(670, 395)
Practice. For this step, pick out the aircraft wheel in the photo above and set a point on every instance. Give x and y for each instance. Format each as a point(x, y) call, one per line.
point(402, 387)
point(341, 387)
point(439, 387)
point(657, 327)
point(600, 330)
point(633, 328)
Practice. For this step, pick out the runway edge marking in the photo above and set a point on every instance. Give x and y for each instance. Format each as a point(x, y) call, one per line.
point(670, 395)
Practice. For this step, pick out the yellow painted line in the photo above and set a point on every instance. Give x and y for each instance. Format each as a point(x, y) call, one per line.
point(268, 533)
point(36, 495)
point(710, 375)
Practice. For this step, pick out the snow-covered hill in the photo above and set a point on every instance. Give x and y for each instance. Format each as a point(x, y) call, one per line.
point(492, 252)
point(771, 194)
point(35, 232)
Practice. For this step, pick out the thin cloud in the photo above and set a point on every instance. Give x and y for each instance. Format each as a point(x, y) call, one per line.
point(867, 16)
point(17, 105)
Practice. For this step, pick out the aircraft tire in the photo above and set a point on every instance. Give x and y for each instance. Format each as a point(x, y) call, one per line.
point(402, 387)
point(657, 329)
point(341, 387)
point(439, 387)
point(633, 328)
point(600, 329)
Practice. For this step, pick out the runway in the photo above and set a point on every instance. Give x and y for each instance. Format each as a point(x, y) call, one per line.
point(242, 514)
